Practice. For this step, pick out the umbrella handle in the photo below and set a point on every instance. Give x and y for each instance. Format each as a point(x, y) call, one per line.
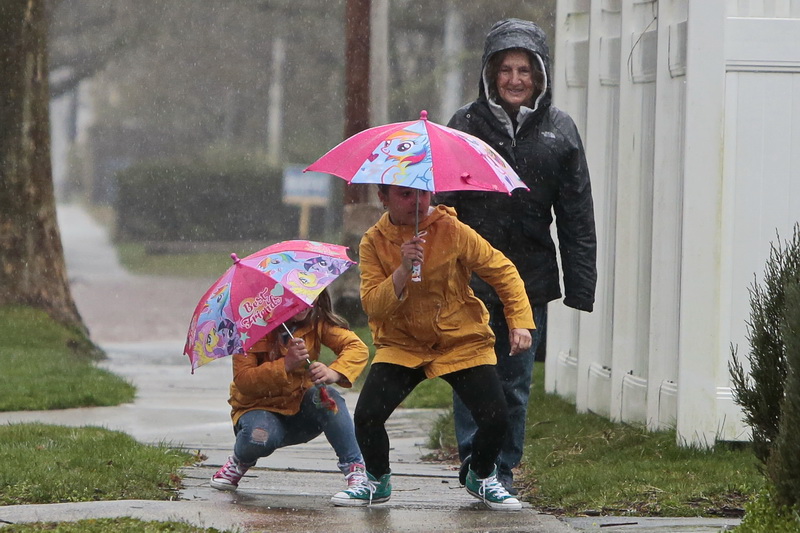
point(324, 399)
point(416, 268)
point(416, 272)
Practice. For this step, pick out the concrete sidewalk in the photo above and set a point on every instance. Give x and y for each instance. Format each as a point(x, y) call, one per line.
point(141, 323)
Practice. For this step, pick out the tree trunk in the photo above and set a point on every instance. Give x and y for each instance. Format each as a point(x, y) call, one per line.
point(32, 268)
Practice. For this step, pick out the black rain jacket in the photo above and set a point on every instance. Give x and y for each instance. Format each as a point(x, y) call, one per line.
point(547, 153)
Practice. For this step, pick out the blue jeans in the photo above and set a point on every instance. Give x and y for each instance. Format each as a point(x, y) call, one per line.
point(260, 432)
point(515, 374)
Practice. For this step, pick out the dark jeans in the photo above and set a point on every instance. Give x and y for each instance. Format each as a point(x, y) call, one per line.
point(387, 385)
point(515, 376)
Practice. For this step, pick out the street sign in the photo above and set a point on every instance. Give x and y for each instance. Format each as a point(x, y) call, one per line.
point(305, 188)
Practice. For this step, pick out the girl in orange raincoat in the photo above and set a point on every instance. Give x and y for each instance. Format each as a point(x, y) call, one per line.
point(274, 401)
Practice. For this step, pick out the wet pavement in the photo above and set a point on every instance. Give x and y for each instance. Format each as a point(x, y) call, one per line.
point(141, 323)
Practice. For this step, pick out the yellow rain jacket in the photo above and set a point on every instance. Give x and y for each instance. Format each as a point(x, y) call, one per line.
point(260, 380)
point(437, 323)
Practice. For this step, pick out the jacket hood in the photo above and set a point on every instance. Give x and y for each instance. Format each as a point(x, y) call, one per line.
point(400, 234)
point(517, 33)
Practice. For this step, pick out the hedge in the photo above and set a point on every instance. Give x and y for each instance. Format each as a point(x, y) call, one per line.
point(202, 201)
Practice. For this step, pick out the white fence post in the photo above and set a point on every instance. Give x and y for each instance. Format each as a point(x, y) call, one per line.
point(688, 109)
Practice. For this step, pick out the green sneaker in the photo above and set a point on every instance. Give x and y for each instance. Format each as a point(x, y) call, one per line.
point(491, 492)
point(364, 489)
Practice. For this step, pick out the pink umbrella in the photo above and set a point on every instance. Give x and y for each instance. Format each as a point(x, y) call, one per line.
point(259, 293)
point(422, 155)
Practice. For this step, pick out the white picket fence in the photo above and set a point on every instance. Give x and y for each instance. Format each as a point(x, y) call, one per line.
point(690, 115)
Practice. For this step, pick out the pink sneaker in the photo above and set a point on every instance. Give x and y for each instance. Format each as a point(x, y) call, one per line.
point(228, 477)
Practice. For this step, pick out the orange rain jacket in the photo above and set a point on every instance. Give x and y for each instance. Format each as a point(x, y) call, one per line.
point(260, 380)
point(438, 322)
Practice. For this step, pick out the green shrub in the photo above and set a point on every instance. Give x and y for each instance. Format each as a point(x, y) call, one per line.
point(203, 200)
point(783, 466)
point(760, 392)
point(762, 515)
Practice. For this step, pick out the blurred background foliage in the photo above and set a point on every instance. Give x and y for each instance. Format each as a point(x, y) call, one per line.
point(178, 83)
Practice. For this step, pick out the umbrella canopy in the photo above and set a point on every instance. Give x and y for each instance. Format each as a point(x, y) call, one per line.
point(422, 155)
point(259, 293)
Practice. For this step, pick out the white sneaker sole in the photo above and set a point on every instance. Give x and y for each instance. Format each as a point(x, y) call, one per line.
point(346, 501)
point(503, 506)
point(219, 485)
point(507, 506)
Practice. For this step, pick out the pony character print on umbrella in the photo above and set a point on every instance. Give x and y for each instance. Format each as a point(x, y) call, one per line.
point(258, 293)
point(404, 158)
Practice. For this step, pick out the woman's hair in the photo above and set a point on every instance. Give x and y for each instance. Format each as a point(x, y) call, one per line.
point(493, 67)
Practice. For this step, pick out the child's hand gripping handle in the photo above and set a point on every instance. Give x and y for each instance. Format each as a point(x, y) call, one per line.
point(325, 399)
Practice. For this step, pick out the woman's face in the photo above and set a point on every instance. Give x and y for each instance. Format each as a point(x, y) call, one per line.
point(515, 83)
point(401, 203)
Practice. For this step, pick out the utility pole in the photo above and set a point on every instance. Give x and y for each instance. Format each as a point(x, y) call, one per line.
point(450, 97)
point(358, 213)
point(379, 62)
point(356, 79)
point(275, 120)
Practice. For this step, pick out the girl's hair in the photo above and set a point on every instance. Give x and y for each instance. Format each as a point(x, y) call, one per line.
point(323, 311)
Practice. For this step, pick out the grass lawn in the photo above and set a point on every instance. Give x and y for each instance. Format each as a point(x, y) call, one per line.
point(577, 464)
point(104, 525)
point(134, 258)
point(43, 463)
point(46, 366)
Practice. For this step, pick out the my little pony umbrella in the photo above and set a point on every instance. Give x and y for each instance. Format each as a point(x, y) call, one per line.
point(422, 155)
point(259, 293)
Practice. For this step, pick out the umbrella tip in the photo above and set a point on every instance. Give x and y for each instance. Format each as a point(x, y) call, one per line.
point(423, 115)
point(235, 258)
point(465, 177)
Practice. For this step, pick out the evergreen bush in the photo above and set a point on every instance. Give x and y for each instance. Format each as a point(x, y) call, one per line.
point(769, 393)
point(763, 515)
point(760, 392)
point(783, 467)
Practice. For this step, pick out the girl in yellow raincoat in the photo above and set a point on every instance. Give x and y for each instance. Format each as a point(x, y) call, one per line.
point(434, 327)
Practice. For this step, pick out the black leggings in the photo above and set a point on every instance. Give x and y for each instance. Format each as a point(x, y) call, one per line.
point(387, 385)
